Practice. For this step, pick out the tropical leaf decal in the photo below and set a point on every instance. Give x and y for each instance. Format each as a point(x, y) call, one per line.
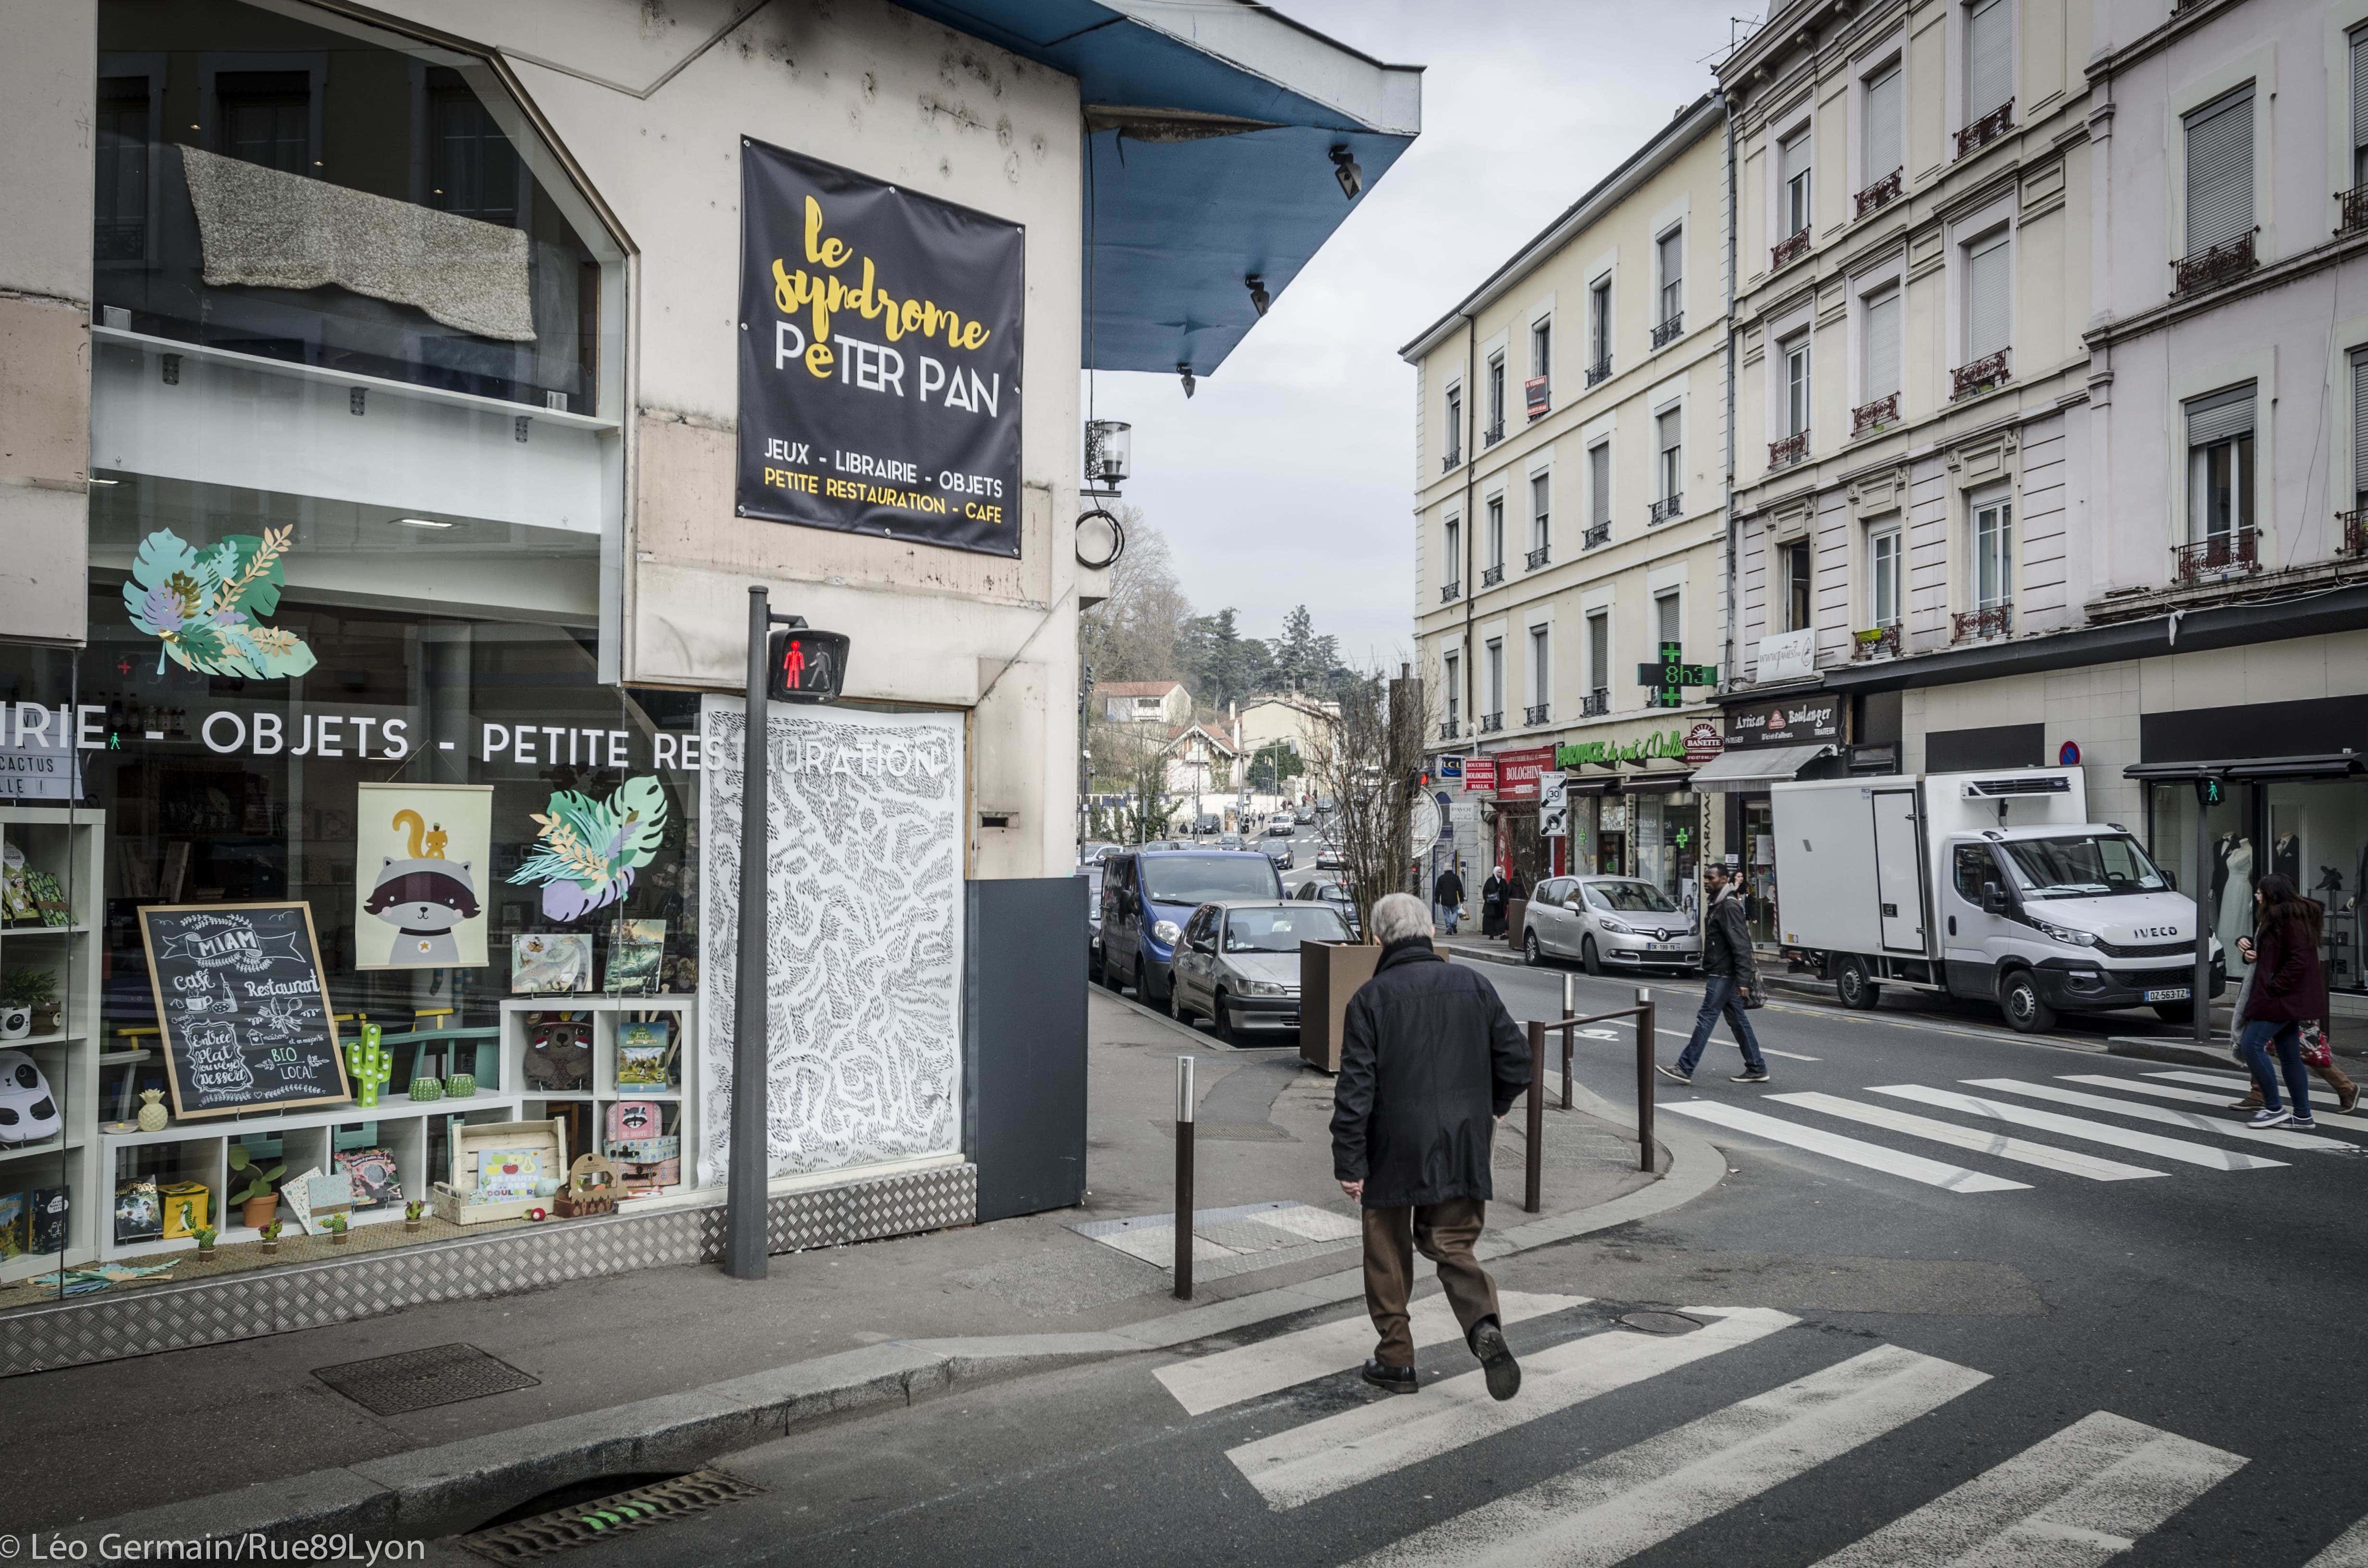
point(203, 607)
point(589, 849)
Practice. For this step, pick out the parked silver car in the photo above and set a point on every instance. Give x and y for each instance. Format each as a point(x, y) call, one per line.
point(1238, 964)
point(1610, 923)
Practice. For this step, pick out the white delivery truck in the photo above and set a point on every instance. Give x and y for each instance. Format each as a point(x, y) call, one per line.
point(1986, 885)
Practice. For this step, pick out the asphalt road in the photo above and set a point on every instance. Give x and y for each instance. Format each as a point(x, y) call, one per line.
point(2027, 1328)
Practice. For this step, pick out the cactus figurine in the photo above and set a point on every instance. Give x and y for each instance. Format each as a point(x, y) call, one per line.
point(460, 1085)
point(371, 1063)
point(427, 1089)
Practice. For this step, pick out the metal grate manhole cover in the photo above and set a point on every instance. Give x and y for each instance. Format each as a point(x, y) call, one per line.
point(587, 1522)
point(1661, 1323)
point(422, 1380)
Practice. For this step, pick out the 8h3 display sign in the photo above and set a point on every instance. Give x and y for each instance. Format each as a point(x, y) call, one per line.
point(803, 665)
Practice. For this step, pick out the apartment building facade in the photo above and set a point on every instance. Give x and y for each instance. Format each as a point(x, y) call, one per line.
point(1569, 506)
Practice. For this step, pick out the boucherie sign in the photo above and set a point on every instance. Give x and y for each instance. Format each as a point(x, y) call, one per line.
point(879, 356)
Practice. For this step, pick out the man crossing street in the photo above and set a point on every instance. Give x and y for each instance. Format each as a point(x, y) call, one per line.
point(1730, 976)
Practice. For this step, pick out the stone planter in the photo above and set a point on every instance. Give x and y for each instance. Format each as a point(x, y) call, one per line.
point(1329, 973)
point(1517, 910)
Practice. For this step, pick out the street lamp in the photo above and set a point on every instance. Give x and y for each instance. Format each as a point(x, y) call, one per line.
point(1109, 448)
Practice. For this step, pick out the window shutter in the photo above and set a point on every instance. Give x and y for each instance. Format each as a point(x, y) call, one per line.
point(2359, 424)
point(1990, 296)
point(2220, 415)
point(1883, 145)
point(2220, 172)
point(1882, 346)
point(1673, 272)
point(1599, 483)
point(1795, 156)
point(2359, 89)
point(1538, 490)
point(1990, 57)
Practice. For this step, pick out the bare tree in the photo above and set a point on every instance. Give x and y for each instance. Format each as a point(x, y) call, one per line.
point(1131, 761)
point(1368, 760)
point(1134, 634)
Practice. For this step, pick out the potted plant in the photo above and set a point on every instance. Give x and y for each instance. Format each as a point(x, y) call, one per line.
point(258, 1198)
point(35, 990)
point(336, 1226)
point(271, 1236)
point(415, 1215)
point(205, 1242)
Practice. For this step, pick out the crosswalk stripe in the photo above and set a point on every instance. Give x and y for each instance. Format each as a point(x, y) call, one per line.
point(1248, 1371)
point(2080, 1127)
point(2070, 1161)
point(1314, 1461)
point(1626, 1502)
point(2348, 1550)
point(1857, 1151)
point(2069, 1501)
point(2197, 1097)
point(2238, 1084)
point(2221, 1125)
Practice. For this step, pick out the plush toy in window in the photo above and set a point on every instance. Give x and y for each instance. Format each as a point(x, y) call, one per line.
point(559, 1056)
point(28, 1111)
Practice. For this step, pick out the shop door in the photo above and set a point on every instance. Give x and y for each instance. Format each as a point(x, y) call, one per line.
point(1899, 871)
point(1760, 868)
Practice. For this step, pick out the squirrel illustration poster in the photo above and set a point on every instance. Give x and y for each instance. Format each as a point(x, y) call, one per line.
point(421, 855)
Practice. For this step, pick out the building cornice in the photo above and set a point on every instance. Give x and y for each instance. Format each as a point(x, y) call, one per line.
point(2276, 275)
point(2184, 19)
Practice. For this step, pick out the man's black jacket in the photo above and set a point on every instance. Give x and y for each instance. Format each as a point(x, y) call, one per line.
point(1429, 1058)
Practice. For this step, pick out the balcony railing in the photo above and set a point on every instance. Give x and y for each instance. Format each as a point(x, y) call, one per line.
point(1537, 558)
point(1598, 703)
point(1597, 533)
point(1447, 728)
point(1453, 460)
point(1868, 419)
point(2236, 551)
point(1787, 251)
point(1668, 506)
point(1875, 643)
point(2354, 215)
point(1491, 723)
point(1879, 195)
point(1599, 372)
point(2354, 526)
point(1534, 714)
point(1492, 575)
point(1449, 593)
point(1972, 625)
point(1986, 130)
point(1788, 452)
point(1670, 330)
point(1989, 370)
point(2220, 264)
point(1494, 434)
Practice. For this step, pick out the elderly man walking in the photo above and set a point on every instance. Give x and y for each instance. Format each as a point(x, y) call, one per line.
point(1430, 1061)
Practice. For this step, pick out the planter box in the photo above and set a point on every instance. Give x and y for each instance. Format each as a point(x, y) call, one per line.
point(1517, 910)
point(1329, 973)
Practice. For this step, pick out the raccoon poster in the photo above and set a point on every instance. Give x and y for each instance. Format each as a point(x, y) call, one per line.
point(422, 858)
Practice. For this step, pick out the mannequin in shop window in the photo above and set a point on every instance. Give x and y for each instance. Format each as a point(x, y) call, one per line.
point(2235, 896)
point(2285, 856)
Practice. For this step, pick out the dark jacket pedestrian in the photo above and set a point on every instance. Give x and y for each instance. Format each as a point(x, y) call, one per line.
point(1493, 894)
point(1730, 970)
point(1448, 889)
point(1726, 939)
point(2287, 990)
point(2289, 980)
point(1428, 1059)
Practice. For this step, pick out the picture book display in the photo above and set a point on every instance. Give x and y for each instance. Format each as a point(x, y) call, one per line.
point(243, 1006)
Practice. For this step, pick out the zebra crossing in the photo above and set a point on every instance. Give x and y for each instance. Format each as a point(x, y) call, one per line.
point(2154, 1120)
point(2076, 1497)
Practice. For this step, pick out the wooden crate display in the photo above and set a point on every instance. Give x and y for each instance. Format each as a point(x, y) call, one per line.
point(524, 1162)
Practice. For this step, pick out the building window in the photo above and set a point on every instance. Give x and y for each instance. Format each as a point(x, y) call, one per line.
point(1598, 492)
point(1453, 681)
point(1496, 533)
point(265, 117)
point(1672, 249)
point(1451, 574)
point(2220, 465)
point(1993, 544)
point(1496, 432)
point(1540, 672)
point(2220, 173)
point(1599, 331)
point(2352, 215)
point(1885, 577)
point(1879, 149)
point(1598, 656)
point(1669, 619)
point(1542, 347)
point(1495, 705)
point(1799, 602)
point(1989, 305)
point(120, 197)
point(1795, 354)
point(1669, 431)
point(2360, 434)
point(1989, 58)
point(1541, 534)
point(1793, 197)
point(1454, 426)
point(1880, 372)
point(472, 169)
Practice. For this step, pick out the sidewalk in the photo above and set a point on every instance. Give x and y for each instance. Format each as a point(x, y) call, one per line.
point(656, 1369)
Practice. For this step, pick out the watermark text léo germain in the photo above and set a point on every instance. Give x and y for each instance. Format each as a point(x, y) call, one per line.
point(254, 1547)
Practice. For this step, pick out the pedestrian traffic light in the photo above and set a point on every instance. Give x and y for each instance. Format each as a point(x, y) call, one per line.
point(2211, 791)
point(806, 665)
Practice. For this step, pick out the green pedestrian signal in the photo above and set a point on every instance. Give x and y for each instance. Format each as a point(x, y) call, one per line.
point(2211, 791)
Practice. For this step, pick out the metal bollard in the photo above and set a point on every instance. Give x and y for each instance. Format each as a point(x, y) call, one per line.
point(1569, 1031)
point(1536, 1172)
point(1645, 1079)
point(1184, 1100)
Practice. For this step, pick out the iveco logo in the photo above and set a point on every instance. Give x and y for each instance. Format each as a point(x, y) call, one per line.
point(2158, 931)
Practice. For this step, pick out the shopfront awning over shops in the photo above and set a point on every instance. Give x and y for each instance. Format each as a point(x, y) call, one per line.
point(1748, 771)
point(2326, 764)
point(1656, 784)
point(1217, 135)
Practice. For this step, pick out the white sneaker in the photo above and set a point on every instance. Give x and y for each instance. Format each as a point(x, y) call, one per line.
point(2271, 1119)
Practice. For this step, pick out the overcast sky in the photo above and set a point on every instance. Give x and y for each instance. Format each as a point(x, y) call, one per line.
point(1289, 476)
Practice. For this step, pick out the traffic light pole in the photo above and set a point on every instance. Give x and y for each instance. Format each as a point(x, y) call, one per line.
point(744, 1229)
point(2202, 873)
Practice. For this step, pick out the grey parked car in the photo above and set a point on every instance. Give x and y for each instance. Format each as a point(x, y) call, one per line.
point(1610, 923)
point(1334, 893)
point(1238, 964)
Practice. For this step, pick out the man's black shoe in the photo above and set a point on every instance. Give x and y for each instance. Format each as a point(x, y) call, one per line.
point(1504, 1374)
point(1396, 1380)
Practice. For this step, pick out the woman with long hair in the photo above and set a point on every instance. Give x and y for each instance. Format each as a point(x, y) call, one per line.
point(2289, 990)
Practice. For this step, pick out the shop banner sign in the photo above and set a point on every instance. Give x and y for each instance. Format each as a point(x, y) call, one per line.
point(1554, 806)
point(242, 1007)
point(1479, 774)
point(1518, 772)
point(1797, 723)
point(879, 357)
point(1659, 746)
point(1703, 742)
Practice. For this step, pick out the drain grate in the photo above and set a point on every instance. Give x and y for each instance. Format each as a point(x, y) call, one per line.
point(422, 1380)
point(587, 1522)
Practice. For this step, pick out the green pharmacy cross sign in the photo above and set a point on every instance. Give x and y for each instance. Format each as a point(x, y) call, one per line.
point(1665, 682)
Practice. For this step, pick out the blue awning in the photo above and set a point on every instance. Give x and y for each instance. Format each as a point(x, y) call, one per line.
point(1210, 134)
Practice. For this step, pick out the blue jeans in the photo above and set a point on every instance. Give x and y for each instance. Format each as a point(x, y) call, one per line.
point(1446, 915)
point(1719, 996)
point(2255, 1044)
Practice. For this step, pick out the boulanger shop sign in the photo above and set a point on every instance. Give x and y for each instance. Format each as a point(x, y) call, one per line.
point(1795, 723)
point(880, 355)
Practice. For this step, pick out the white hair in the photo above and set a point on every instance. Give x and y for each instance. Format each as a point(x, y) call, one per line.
point(1398, 916)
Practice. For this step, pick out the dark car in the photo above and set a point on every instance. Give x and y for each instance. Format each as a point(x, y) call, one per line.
point(1148, 894)
point(1335, 894)
point(1281, 854)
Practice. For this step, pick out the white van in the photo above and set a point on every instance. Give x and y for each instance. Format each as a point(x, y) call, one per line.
point(1986, 885)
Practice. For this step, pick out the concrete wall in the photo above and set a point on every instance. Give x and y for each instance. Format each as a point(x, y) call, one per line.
point(45, 286)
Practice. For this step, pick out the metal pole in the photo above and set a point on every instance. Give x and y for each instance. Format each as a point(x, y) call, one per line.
point(744, 1220)
point(1537, 1116)
point(1184, 1097)
point(1569, 1031)
point(2201, 990)
point(1645, 1079)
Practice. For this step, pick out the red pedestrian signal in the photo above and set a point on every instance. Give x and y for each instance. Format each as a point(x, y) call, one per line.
point(806, 666)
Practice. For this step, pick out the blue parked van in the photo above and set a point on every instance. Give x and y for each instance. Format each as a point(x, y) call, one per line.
point(1147, 895)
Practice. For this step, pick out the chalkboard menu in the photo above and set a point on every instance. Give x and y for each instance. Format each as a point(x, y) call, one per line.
point(243, 1006)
